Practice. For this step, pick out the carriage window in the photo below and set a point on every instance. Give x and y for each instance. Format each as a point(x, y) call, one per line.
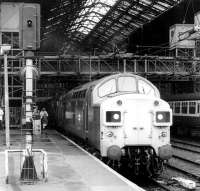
point(198, 108)
point(127, 84)
point(107, 88)
point(192, 107)
point(145, 88)
point(177, 107)
point(184, 107)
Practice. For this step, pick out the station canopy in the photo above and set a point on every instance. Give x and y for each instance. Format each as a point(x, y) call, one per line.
point(101, 24)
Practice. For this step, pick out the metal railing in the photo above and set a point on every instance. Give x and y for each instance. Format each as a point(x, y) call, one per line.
point(39, 160)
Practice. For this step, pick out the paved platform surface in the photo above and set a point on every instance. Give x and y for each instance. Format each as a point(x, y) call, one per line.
point(69, 167)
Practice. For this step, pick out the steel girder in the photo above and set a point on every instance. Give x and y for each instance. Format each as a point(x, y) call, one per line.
point(81, 22)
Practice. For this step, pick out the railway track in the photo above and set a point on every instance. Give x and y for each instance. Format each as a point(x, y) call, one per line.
point(185, 145)
point(152, 184)
point(181, 166)
point(161, 185)
point(185, 160)
point(189, 171)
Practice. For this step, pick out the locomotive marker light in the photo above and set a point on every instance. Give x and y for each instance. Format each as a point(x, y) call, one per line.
point(119, 102)
point(163, 118)
point(5, 48)
point(156, 103)
point(113, 116)
point(160, 116)
point(116, 116)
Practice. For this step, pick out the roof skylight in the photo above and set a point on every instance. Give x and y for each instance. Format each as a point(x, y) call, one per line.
point(92, 14)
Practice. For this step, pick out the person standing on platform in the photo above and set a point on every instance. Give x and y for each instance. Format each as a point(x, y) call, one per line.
point(36, 120)
point(44, 118)
point(1, 118)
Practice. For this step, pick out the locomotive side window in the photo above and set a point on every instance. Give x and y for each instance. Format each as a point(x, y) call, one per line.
point(192, 107)
point(68, 111)
point(145, 88)
point(184, 107)
point(107, 88)
point(127, 84)
point(177, 107)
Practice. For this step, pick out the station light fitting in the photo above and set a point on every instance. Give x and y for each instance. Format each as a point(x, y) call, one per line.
point(4, 48)
point(29, 23)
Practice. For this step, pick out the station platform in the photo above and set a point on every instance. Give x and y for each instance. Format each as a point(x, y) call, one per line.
point(70, 168)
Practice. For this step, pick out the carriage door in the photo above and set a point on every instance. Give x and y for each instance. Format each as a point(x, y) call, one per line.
point(86, 116)
point(86, 110)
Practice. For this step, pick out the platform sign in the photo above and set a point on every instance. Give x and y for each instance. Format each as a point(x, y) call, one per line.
point(9, 16)
point(179, 36)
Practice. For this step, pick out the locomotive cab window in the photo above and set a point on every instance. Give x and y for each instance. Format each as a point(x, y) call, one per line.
point(145, 88)
point(127, 84)
point(107, 88)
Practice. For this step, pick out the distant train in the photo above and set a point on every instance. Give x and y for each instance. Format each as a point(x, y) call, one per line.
point(123, 118)
point(186, 114)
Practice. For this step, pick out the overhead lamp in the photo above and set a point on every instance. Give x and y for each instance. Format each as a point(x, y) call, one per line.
point(5, 48)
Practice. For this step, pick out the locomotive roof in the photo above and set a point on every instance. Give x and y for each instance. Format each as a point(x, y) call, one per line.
point(96, 82)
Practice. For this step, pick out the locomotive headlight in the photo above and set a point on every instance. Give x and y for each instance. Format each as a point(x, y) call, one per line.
point(162, 116)
point(113, 116)
point(116, 116)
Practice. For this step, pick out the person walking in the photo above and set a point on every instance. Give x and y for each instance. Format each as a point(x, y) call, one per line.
point(1, 118)
point(44, 118)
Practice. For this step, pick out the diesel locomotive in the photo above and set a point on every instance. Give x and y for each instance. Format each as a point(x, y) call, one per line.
point(123, 117)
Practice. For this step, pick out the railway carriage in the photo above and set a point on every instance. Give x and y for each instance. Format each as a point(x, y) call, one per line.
point(186, 114)
point(122, 117)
